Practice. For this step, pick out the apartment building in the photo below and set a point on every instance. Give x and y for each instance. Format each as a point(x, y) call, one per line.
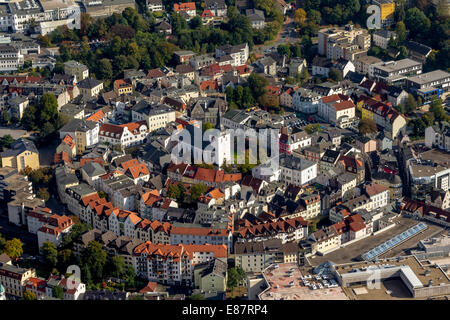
point(346, 42)
point(387, 10)
point(54, 230)
point(124, 135)
point(156, 115)
point(198, 234)
point(155, 5)
point(381, 38)
point(188, 8)
point(84, 132)
point(10, 58)
point(238, 53)
point(13, 278)
point(305, 100)
point(296, 170)
point(90, 87)
point(286, 230)
point(256, 256)
point(383, 115)
point(337, 109)
point(296, 139)
point(173, 264)
point(325, 240)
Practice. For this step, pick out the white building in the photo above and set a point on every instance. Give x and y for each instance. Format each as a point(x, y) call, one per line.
point(296, 170)
point(305, 100)
point(337, 109)
point(125, 135)
point(10, 58)
point(238, 53)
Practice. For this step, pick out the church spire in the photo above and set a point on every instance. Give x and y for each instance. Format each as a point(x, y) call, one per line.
point(219, 119)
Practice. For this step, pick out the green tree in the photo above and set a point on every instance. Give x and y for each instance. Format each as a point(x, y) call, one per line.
point(235, 276)
point(6, 141)
point(2, 243)
point(105, 70)
point(207, 126)
point(410, 103)
point(438, 111)
point(65, 258)
point(403, 53)
point(6, 119)
point(197, 190)
point(417, 22)
point(335, 74)
point(50, 254)
point(14, 248)
point(173, 191)
point(95, 257)
point(131, 277)
point(48, 108)
point(311, 128)
point(28, 120)
point(43, 194)
point(367, 126)
point(58, 292)
point(117, 266)
point(257, 84)
point(28, 295)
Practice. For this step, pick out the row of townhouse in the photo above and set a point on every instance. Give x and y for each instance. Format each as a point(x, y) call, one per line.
point(286, 230)
point(373, 197)
point(104, 216)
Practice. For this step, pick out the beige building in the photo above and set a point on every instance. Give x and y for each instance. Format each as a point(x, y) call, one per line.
point(90, 87)
point(83, 132)
point(13, 278)
point(23, 153)
point(74, 68)
point(256, 256)
point(325, 240)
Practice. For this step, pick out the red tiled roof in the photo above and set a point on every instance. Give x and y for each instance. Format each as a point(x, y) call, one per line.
point(97, 116)
point(184, 6)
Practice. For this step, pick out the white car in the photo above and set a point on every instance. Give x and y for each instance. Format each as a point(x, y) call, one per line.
point(320, 286)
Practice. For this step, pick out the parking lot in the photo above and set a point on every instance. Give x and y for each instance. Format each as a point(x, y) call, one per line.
point(353, 251)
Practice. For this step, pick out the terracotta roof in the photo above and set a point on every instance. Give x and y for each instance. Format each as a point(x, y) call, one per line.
point(374, 189)
point(155, 73)
point(97, 116)
point(261, 229)
point(184, 6)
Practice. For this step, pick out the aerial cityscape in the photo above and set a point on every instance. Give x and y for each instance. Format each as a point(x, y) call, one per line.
point(224, 150)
